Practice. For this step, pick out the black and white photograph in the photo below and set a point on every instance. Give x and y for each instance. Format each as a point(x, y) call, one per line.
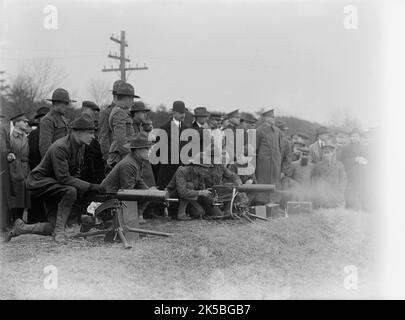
point(201, 151)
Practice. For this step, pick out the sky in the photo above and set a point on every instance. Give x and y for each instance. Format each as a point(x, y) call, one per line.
point(294, 56)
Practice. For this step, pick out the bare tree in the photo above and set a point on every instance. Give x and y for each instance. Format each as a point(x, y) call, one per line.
point(98, 90)
point(35, 81)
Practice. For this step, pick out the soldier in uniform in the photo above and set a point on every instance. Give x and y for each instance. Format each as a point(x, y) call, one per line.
point(188, 185)
point(269, 155)
point(328, 180)
point(138, 115)
point(54, 125)
point(121, 124)
point(93, 170)
point(128, 173)
point(105, 134)
point(55, 181)
point(286, 151)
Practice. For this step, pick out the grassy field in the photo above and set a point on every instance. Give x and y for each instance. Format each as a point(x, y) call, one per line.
point(288, 258)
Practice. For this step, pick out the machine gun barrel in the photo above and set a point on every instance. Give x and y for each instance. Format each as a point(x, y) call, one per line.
point(150, 195)
point(248, 188)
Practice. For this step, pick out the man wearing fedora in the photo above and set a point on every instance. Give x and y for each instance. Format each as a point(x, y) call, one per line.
point(105, 133)
point(128, 173)
point(167, 170)
point(200, 124)
point(121, 124)
point(138, 113)
point(56, 182)
point(321, 139)
point(54, 125)
point(93, 170)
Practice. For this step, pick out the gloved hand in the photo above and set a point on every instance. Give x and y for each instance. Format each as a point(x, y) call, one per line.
point(97, 188)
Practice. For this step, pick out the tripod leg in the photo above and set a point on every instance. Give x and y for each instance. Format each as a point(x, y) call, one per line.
point(123, 239)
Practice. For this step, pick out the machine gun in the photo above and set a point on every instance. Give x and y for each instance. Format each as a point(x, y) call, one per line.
point(112, 211)
point(239, 211)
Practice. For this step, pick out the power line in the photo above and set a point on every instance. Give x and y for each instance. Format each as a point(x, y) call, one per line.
point(122, 68)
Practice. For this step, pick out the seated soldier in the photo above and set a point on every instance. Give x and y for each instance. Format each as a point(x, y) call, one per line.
point(328, 180)
point(55, 182)
point(128, 173)
point(188, 185)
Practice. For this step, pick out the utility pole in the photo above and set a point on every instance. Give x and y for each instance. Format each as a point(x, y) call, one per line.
point(122, 68)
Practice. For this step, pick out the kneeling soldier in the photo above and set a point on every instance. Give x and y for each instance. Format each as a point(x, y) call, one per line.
point(55, 182)
point(128, 173)
point(188, 185)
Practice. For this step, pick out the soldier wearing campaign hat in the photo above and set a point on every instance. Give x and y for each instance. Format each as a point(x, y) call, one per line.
point(128, 173)
point(105, 134)
point(56, 181)
point(121, 124)
point(269, 155)
point(138, 113)
point(54, 125)
point(329, 180)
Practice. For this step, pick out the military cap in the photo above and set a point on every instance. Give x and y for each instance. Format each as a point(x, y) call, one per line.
point(249, 118)
point(268, 113)
point(201, 112)
point(322, 130)
point(61, 95)
point(216, 114)
point(327, 146)
point(83, 122)
point(116, 85)
point(138, 106)
point(233, 114)
point(126, 89)
point(91, 105)
point(18, 115)
point(179, 106)
point(140, 141)
point(41, 112)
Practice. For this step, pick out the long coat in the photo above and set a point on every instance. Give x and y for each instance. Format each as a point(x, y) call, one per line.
point(269, 158)
point(93, 164)
point(33, 144)
point(6, 186)
point(60, 165)
point(19, 169)
point(167, 171)
point(53, 126)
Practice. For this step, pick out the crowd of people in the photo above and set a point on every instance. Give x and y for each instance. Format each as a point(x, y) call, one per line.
point(52, 169)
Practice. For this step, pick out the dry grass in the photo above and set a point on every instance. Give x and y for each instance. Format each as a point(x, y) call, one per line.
point(298, 257)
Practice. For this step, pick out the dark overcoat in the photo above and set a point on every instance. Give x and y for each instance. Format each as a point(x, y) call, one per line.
point(93, 164)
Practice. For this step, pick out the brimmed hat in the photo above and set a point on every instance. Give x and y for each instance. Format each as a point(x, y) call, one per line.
point(41, 112)
point(91, 105)
point(322, 130)
point(233, 114)
point(61, 95)
point(215, 114)
point(126, 89)
point(19, 115)
point(268, 113)
point(179, 106)
point(249, 118)
point(139, 142)
point(83, 122)
point(138, 106)
point(116, 85)
point(201, 112)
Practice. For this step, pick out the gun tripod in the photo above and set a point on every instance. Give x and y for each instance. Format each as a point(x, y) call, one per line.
point(113, 224)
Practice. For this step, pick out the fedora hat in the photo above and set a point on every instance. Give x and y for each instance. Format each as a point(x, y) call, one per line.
point(179, 106)
point(138, 106)
point(139, 142)
point(83, 122)
point(61, 95)
point(126, 89)
point(249, 118)
point(201, 112)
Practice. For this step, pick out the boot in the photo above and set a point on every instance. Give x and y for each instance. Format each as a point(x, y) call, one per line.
point(19, 227)
point(62, 216)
